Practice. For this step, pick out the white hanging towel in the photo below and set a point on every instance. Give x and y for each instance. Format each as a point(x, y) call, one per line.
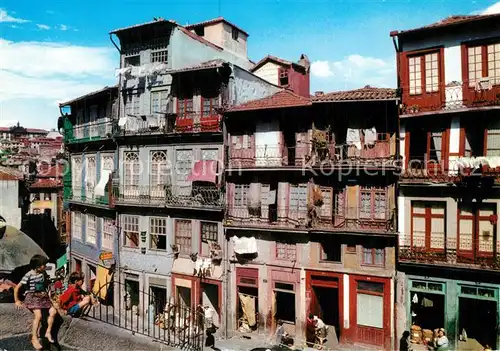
point(122, 121)
point(415, 299)
point(353, 138)
point(245, 246)
point(370, 136)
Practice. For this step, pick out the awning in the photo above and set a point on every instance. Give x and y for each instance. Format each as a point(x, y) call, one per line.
point(100, 188)
point(41, 204)
point(61, 261)
point(102, 282)
point(204, 171)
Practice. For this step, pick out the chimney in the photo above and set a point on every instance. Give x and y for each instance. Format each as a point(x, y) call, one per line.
point(319, 93)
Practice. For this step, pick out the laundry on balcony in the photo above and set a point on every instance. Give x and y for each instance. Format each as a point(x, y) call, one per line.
point(370, 136)
point(353, 138)
point(204, 171)
point(245, 246)
point(100, 189)
point(102, 282)
point(122, 121)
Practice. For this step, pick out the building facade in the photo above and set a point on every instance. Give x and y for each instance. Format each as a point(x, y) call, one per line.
point(168, 185)
point(449, 80)
point(87, 122)
point(310, 214)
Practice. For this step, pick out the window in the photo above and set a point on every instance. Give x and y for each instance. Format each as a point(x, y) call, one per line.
point(209, 154)
point(298, 200)
point(159, 56)
point(185, 107)
point(159, 169)
point(133, 104)
point(158, 233)
point(209, 232)
point(435, 146)
point(475, 64)
point(493, 139)
point(130, 231)
point(373, 256)
point(107, 233)
point(370, 304)
point(107, 163)
point(427, 66)
point(183, 235)
point(200, 31)
point(132, 61)
point(76, 172)
point(330, 251)
point(428, 225)
point(209, 105)
point(184, 164)
point(494, 63)
point(91, 234)
point(373, 203)
point(241, 195)
point(91, 174)
point(131, 169)
point(234, 33)
point(476, 232)
point(286, 251)
point(283, 77)
point(76, 225)
point(159, 101)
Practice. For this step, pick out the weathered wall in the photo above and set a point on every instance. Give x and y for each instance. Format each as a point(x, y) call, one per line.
point(9, 202)
point(247, 87)
point(269, 72)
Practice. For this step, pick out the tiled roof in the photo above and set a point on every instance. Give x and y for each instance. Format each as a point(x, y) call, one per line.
point(204, 65)
point(56, 171)
point(452, 20)
point(281, 99)
point(214, 21)
point(28, 130)
point(46, 183)
point(160, 20)
point(9, 173)
point(279, 61)
point(366, 93)
point(91, 94)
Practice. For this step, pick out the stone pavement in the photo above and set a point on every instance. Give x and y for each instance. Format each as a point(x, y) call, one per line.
point(74, 334)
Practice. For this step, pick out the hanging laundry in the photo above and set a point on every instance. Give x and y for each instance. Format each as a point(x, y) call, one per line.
point(353, 138)
point(427, 303)
point(370, 136)
point(415, 299)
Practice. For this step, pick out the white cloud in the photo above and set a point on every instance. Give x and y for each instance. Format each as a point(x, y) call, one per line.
point(14, 26)
point(30, 88)
point(5, 17)
point(495, 8)
point(63, 27)
point(354, 71)
point(56, 59)
point(321, 69)
point(43, 26)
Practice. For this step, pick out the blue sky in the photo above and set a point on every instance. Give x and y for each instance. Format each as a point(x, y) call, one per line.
point(52, 51)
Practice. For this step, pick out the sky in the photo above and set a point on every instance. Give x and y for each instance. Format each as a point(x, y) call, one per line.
point(53, 51)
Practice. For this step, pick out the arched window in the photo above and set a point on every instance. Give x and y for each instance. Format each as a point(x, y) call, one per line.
point(131, 169)
point(159, 168)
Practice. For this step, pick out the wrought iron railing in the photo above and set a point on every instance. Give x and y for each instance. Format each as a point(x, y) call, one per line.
point(451, 257)
point(314, 218)
point(86, 195)
point(168, 195)
point(91, 131)
point(149, 314)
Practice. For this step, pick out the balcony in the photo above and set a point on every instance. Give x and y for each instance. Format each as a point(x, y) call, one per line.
point(352, 220)
point(447, 257)
point(455, 96)
point(380, 154)
point(170, 124)
point(92, 131)
point(86, 196)
point(169, 196)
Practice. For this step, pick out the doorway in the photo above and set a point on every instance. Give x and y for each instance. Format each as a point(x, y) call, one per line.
point(479, 319)
point(210, 299)
point(327, 307)
point(428, 310)
point(131, 293)
point(184, 296)
point(158, 298)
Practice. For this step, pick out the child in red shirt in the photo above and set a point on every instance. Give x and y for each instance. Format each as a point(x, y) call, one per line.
point(73, 300)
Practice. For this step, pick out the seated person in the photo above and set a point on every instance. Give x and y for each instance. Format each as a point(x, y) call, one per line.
point(75, 299)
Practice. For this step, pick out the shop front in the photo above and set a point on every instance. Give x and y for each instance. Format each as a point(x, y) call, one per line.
point(247, 301)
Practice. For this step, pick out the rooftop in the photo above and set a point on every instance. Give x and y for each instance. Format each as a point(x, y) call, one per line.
point(276, 60)
point(282, 99)
point(367, 93)
point(449, 21)
point(200, 66)
point(214, 21)
point(89, 95)
point(9, 173)
point(28, 130)
point(46, 184)
point(145, 24)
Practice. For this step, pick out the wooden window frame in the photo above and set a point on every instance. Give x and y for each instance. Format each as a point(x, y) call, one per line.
point(428, 216)
point(108, 234)
point(205, 240)
point(373, 254)
point(483, 44)
point(443, 163)
point(423, 84)
point(373, 191)
point(187, 236)
point(128, 223)
point(184, 102)
point(323, 256)
point(214, 102)
point(476, 219)
point(158, 224)
point(95, 219)
point(289, 247)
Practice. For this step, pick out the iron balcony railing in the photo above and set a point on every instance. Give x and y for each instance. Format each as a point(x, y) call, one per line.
point(448, 257)
point(456, 95)
point(168, 195)
point(86, 195)
point(335, 155)
point(91, 131)
point(312, 219)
